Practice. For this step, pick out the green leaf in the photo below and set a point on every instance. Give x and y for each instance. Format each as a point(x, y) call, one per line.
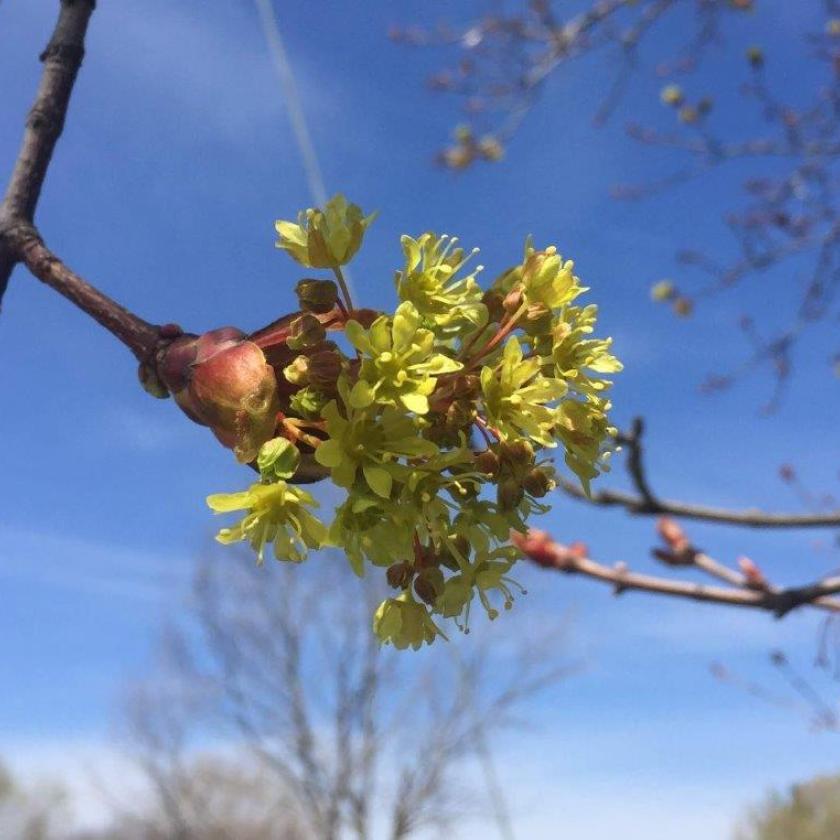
point(329, 454)
point(357, 336)
point(417, 403)
point(379, 480)
point(362, 394)
point(278, 458)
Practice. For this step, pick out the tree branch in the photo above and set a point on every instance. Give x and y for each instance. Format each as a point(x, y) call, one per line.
point(138, 335)
point(20, 241)
point(545, 552)
point(62, 59)
point(645, 503)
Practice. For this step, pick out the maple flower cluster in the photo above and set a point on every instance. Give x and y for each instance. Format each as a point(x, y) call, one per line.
point(437, 420)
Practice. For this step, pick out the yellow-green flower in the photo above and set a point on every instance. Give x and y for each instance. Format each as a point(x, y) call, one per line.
point(403, 622)
point(486, 574)
point(549, 280)
point(372, 443)
point(574, 355)
point(278, 459)
point(447, 302)
point(276, 514)
point(399, 364)
point(672, 95)
point(584, 429)
point(662, 290)
point(516, 393)
point(395, 420)
point(324, 238)
point(366, 527)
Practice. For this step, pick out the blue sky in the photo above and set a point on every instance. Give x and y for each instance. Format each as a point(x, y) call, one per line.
point(176, 159)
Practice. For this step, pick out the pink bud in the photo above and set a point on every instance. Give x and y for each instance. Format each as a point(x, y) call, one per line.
point(754, 576)
point(234, 391)
point(672, 533)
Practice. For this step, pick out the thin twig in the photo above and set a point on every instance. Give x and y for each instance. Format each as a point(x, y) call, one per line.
point(138, 335)
point(545, 552)
point(62, 59)
point(644, 502)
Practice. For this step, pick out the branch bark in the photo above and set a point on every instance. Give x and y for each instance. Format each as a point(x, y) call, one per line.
point(644, 502)
point(545, 552)
point(62, 59)
point(20, 241)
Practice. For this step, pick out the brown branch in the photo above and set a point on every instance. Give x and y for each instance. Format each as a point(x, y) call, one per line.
point(645, 503)
point(138, 335)
point(20, 241)
point(545, 552)
point(62, 59)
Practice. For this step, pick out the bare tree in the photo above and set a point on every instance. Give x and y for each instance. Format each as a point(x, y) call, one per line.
point(29, 812)
point(347, 739)
point(501, 61)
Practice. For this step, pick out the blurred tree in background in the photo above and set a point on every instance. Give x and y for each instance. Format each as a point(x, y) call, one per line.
point(30, 812)
point(332, 736)
point(808, 811)
point(500, 66)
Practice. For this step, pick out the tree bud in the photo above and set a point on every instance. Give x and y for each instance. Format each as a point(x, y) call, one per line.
point(324, 370)
point(298, 371)
point(175, 361)
point(755, 56)
point(151, 381)
point(316, 295)
point(305, 331)
point(234, 391)
point(429, 585)
point(487, 462)
point(537, 483)
point(493, 300)
point(518, 453)
point(399, 575)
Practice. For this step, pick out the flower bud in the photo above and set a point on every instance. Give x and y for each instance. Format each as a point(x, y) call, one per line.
point(214, 341)
point(298, 371)
point(518, 453)
point(537, 483)
point(429, 585)
point(688, 114)
point(324, 369)
point(316, 295)
point(460, 414)
point(487, 462)
point(683, 307)
point(672, 95)
point(661, 291)
point(174, 364)
point(399, 575)
point(151, 381)
point(755, 56)
point(490, 148)
point(305, 331)
point(234, 392)
point(493, 299)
